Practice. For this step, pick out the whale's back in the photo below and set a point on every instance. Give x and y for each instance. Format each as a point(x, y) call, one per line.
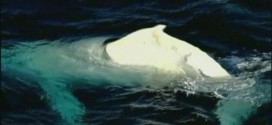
point(153, 47)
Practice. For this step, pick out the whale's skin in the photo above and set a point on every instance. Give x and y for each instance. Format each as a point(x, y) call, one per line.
point(153, 47)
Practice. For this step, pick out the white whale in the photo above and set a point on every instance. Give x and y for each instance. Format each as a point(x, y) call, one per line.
point(153, 47)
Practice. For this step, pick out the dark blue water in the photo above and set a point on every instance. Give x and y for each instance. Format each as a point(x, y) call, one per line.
point(39, 89)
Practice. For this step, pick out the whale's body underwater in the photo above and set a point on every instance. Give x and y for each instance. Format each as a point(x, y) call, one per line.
point(153, 47)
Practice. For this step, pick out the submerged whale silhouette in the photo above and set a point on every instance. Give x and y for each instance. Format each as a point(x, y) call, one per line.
point(153, 47)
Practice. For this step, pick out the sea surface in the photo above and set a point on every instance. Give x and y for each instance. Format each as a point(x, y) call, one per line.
point(53, 72)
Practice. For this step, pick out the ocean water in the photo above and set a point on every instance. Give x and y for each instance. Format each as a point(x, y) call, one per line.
point(53, 71)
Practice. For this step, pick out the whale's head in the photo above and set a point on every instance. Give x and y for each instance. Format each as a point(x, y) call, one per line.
point(153, 47)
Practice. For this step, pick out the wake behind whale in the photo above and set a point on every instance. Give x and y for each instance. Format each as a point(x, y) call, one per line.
point(145, 57)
